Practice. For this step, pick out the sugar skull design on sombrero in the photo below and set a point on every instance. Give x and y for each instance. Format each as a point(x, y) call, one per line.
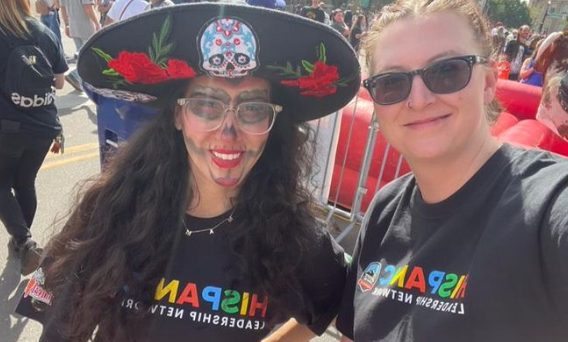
point(228, 48)
point(312, 69)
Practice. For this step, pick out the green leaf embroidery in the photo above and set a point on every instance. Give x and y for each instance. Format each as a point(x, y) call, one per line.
point(116, 84)
point(155, 43)
point(165, 31)
point(110, 72)
point(284, 71)
point(344, 82)
point(102, 54)
point(167, 49)
point(308, 66)
point(298, 71)
point(322, 56)
point(158, 52)
point(152, 55)
point(275, 67)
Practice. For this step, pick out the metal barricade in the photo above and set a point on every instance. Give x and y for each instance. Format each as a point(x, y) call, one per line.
point(371, 151)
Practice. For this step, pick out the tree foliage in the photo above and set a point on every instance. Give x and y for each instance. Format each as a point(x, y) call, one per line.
point(512, 13)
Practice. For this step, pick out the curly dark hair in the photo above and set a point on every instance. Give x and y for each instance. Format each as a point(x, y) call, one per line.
point(122, 225)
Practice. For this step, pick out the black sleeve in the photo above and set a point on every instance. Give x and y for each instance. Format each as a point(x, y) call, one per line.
point(509, 49)
point(346, 316)
point(323, 278)
point(53, 49)
point(344, 321)
point(58, 61)
point(554, 239)
point(320, 16)
point(527, 53)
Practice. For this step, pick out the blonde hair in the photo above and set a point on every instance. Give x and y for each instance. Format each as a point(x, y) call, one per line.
point(13, 15)
point(403, 9)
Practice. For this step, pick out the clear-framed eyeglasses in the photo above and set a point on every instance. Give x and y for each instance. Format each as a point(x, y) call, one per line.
point(206, 115)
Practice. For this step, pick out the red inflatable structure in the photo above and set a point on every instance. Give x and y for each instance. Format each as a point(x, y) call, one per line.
point(516, 126)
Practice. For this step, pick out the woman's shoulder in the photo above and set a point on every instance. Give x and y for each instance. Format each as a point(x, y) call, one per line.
point(539, 177)
point(41, 32)
point(536, 164)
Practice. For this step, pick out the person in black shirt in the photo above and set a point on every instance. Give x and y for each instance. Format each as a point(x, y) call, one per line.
point(348, 16)
point(473, 245)
point(28, 125)
point(517, 51)
point(313, 12)
point(357, 31)
point(202, 228)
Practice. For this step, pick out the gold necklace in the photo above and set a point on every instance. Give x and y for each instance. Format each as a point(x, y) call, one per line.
point(212, 229)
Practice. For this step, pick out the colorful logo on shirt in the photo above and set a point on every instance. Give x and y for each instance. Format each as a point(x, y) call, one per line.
point(211, 305)
point(35, 289)
point(436, 290)
point(215, 298)
point(369, 276)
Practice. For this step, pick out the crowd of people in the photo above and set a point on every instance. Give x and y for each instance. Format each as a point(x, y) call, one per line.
point(351, 24)
point(518, 48)
point(202, 227)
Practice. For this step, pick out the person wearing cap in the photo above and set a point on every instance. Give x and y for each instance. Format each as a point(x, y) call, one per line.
point(202, 228)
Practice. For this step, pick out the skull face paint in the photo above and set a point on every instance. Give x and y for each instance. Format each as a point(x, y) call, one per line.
point(228, 47)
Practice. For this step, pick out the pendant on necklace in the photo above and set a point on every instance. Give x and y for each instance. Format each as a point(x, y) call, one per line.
point(188, 232)
point(211, 232)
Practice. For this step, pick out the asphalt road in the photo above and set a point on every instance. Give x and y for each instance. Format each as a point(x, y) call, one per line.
point(57, 184)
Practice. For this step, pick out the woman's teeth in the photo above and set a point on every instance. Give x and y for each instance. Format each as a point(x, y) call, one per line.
point(225, 156)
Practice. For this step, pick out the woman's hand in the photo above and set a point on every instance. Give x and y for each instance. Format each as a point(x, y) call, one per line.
point(527, 73)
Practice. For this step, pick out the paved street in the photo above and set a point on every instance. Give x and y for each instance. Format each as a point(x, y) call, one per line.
point(57, 183)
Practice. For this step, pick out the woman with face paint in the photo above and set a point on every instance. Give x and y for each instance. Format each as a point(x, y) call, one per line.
point(201, 228)
point(473, 245)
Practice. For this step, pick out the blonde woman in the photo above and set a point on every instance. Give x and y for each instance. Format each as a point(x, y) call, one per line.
point(473, 245)
point(31, 67)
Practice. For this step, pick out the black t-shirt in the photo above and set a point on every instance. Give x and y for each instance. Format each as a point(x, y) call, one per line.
point(313, 13)
point(41, 121)
point(353, 37)
point(488, 264)
point(203, 297)
point(516, 53)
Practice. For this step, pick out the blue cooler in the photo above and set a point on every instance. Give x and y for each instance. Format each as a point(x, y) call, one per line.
point(117, 120)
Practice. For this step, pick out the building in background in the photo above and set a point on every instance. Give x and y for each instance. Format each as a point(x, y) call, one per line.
point(549, 15)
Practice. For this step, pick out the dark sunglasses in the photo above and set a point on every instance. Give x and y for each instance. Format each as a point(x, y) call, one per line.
point(442, 77)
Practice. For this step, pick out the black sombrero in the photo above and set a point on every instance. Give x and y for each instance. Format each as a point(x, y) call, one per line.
point(312, 68)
